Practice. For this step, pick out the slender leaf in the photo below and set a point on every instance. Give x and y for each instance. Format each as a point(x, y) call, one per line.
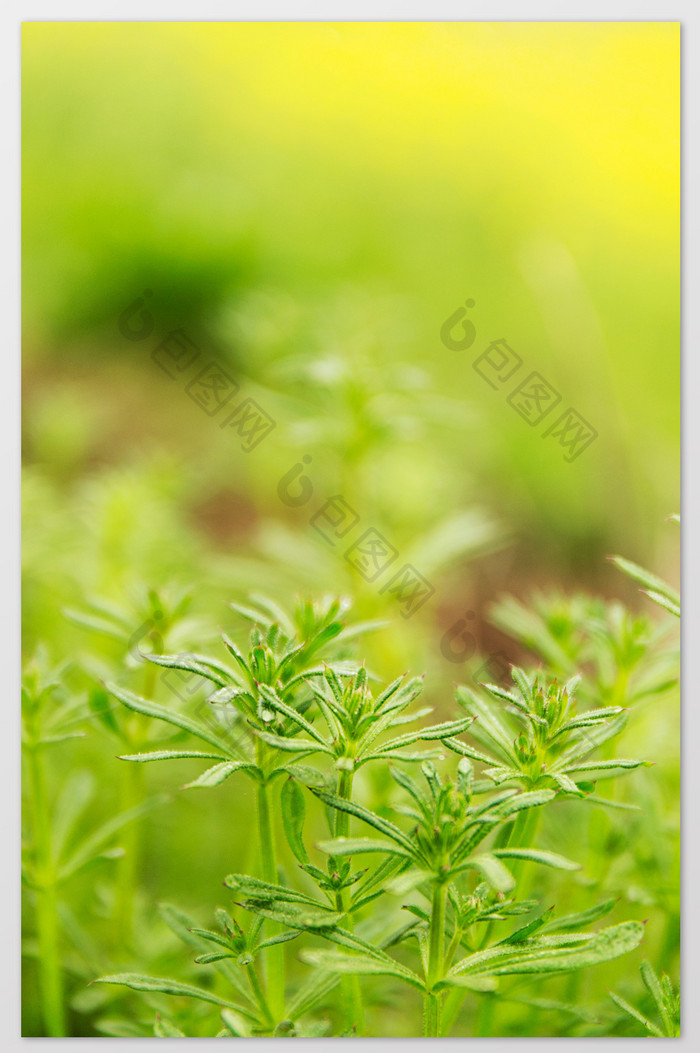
point(138, 982)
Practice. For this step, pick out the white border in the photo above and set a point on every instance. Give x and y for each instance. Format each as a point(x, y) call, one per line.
point(206, 10)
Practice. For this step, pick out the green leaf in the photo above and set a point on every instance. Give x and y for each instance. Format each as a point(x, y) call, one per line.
point(72, 801)
point(157, 755)
point(295, 917)
point(100, 705)
point(484, 984)
point(584, 917)
point(317, 987)
point(350, 846)
point(198, 664)
point(653, 986)
point(522, 680)
point(169, 716)
point(610, 765)
point(213, 956)
point(304, 774)
point(526, 930)
point(96, 842)
point(164, 1028)
point(507, 696)
point(95, 624)
point(212, 937)
point(138, 982)
point(551, 954)
point(497, 875)
point(282, 937)
point(406, 882)
point(383, 825)
point(279, 742)
point(566, 784)
point(272, 699)
point(588, 719)
point(487, 726)
point(516, 803)
point(548, 859)
point(359, 628)
point(219, 772)
point(415, 757)
point(665, 602)
point(646, 578)
point(465, 750)
point(263, 890)
point(235, 1024)
point(591, 741)
point(118, 1027)
point(360, 964)
point(293, 816)
point(627, 1008)
point(184, 928)
point(436, 731)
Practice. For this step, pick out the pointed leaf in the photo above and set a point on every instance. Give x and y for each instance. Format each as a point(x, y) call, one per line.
point(169, 716)
point(158, 755)
point(350, 846)
point(293, 816)
point(138, 982)
point(360, 964)
point(497, 875)
point(536, 855)
point(383, 825)
point(219, 772)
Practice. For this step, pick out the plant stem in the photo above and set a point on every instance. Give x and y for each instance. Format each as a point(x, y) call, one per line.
point(133, 792)
point(433, 1002)
point(259, 994)
point(50, 975)
point(349, 985)
point(129, 864)
point(516, 834)
point(524, 830)
point(268, 863)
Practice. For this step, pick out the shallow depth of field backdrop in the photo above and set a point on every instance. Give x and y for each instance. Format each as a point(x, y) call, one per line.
point(306, 205)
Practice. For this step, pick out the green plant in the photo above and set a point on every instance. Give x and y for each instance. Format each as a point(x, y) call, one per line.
point(439, 851)
point(666, 1001)
point(277, 700)
point(550, 743)
point(58, 846)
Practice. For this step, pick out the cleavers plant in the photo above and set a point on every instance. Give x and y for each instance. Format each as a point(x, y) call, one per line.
point(454, 857)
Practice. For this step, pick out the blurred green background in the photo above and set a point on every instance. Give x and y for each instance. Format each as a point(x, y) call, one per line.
point(309, 203)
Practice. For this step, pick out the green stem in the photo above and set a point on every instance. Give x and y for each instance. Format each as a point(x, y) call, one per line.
point(349, 985)
point(268, 862)
point(516, 834)
point(133, 792)
point(525, 828)
point(433, 1002)
point(50, 975)
point(513, 834)
point(259, 994)
point(129, 865)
